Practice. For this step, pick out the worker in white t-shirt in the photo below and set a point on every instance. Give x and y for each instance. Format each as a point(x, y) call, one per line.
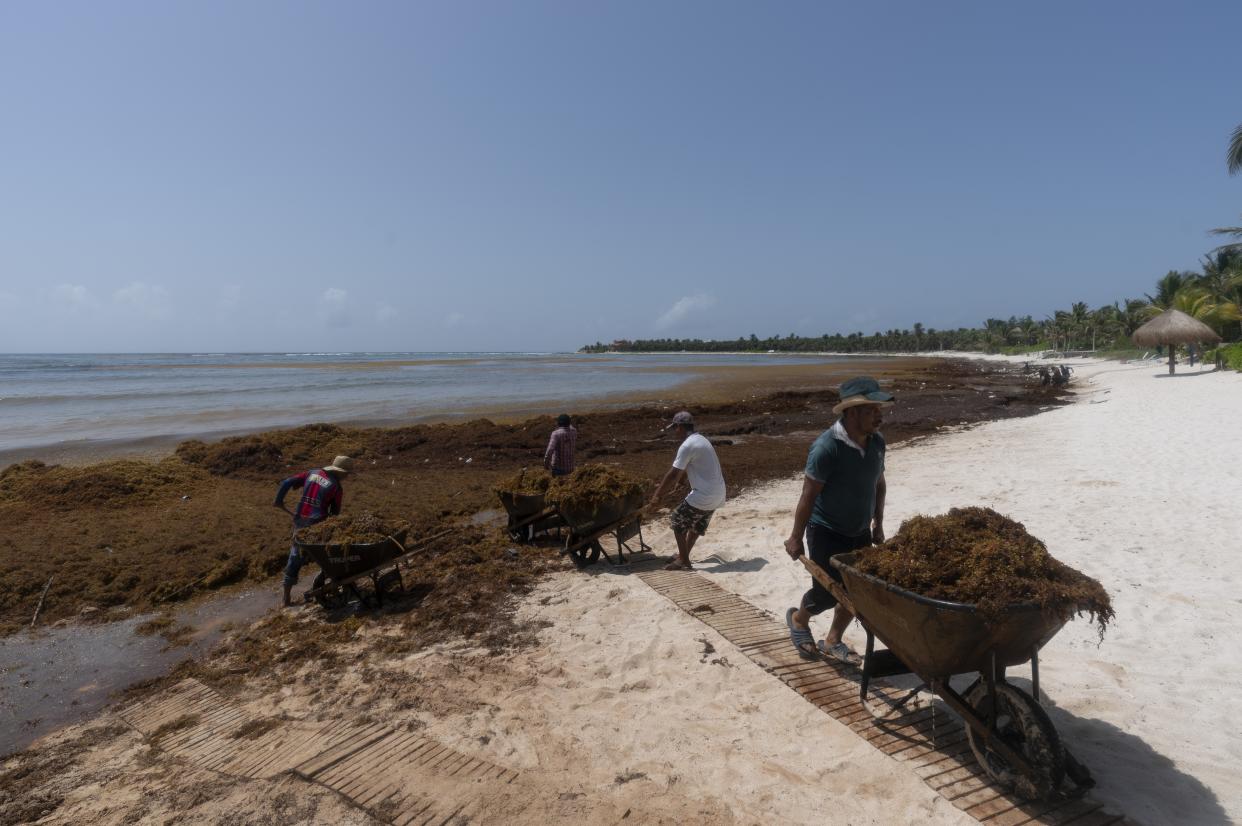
point(696, 460)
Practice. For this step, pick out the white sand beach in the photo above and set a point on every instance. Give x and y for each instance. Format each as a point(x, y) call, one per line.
point(1133, 484)
point(631, 709)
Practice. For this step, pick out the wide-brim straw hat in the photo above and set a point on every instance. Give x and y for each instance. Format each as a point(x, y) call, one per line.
point(862, 390)
point(341, 464)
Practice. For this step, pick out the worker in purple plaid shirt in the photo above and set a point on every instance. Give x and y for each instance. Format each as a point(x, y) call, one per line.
point(559, 457)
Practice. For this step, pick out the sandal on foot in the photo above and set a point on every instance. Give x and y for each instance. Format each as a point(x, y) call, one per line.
point(839, 652)
point(677, 565)
point(801, 638)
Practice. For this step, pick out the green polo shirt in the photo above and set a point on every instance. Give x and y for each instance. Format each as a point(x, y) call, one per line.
point(847, 502)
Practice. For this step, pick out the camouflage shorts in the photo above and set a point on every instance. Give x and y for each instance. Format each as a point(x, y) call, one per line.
point(687, 518)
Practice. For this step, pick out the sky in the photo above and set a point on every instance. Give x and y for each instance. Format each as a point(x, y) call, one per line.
point(534, 176)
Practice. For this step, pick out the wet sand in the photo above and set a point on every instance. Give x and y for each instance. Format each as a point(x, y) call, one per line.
point(709, 383)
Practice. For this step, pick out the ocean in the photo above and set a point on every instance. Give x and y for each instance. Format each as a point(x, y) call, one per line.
point(56, 402)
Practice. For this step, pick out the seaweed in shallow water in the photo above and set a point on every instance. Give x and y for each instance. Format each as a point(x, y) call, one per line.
point(979, 557)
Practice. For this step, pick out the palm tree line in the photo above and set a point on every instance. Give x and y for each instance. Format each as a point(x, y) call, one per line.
point(1213, 295)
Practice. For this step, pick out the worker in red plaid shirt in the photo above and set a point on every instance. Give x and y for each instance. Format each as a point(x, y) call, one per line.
point(559, 457)
point(321, 498)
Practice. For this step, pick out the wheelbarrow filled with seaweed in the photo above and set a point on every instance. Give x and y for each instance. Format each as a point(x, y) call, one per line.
point(523, 497)
point(935, 639)
point(352, 552)
point(597, 501)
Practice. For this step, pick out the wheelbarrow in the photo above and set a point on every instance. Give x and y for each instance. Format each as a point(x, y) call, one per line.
point(1010, 734)
point(343, 567)
point(529, 515)
point(621, 518)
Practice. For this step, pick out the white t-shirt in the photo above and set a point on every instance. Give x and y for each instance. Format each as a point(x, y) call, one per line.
point(697, 458)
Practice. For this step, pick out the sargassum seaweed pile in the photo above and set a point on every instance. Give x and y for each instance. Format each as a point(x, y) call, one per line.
point(364, 528)
point(526, 482)
point(979, 557)
point(593, 485)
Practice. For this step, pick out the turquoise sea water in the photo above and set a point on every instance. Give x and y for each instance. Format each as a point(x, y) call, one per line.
point(54, 401)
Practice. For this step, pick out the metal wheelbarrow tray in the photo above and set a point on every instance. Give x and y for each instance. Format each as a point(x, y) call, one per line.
point(1011, 735)
point(529, 515)
point(341, 567)
point(620, 517)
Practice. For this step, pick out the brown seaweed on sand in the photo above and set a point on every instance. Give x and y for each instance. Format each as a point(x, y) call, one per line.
point(979, 557)
point(593, 485)
point(365, 528)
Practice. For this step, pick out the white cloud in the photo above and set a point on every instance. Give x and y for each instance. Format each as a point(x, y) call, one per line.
point(150, 300)
point(385, 313)
point(334, 307)
point(683, 308)
point(71, 295)
point(453, 319)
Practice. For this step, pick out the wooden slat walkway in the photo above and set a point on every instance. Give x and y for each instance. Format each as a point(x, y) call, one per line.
point(930, 739)
point(396, 776)
point(391, 777)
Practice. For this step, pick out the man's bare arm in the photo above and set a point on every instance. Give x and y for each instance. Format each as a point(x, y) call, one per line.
point(802, 515)
point(877, 521)
point(670, 481)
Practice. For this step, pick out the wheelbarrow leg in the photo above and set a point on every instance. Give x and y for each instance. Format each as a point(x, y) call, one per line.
point(1035, 675)
point(866, 669)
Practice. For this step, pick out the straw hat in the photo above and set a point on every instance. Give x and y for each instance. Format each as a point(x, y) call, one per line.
point(862, 390)
point(341, 464)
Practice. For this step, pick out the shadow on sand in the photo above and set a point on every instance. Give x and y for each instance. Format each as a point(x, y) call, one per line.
point(715, 565)
point(1129, 774)
point(1187, 375)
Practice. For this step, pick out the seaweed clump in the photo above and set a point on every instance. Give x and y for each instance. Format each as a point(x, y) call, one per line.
point(593, 485)
point(115, 483)
point(526, 482)
point(365, 528)
point(979, 557)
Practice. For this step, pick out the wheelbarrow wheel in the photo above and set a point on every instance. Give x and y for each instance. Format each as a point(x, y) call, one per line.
point(388, 585)
point(586, 554)
point(330, 599)
point(1025, 728)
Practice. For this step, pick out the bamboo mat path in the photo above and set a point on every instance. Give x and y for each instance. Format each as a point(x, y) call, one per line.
point(395, 775)
point(930, 739)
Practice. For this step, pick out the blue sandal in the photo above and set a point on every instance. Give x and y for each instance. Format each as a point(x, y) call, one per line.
point(839, 652)
point(802, 638)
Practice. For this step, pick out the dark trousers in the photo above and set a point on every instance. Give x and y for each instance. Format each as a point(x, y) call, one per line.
point(822, 545)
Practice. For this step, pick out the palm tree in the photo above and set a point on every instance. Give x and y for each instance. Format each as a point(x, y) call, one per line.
point(1135, 313)
point(1233, 158)
point(1168, 287)
point(1197, 302)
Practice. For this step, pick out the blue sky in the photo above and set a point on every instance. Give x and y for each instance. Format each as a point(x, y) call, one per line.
point(179, 176)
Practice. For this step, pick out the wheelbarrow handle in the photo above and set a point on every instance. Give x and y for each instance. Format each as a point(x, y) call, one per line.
point(835, 588)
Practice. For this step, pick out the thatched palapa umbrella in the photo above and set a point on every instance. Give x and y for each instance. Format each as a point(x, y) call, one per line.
point(1173, 327)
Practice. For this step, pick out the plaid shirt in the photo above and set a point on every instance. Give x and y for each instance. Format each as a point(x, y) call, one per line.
point(321, 495)
point(560, 453)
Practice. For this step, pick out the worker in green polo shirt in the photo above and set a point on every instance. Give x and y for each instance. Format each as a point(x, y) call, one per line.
point(841, 508)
